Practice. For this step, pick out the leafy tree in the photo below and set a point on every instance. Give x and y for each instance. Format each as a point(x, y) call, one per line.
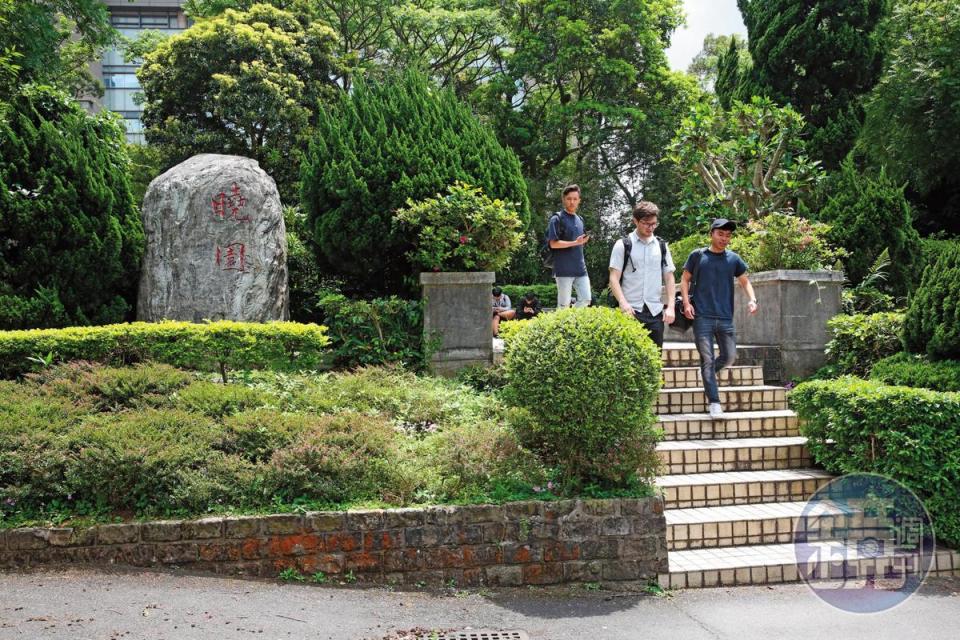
point(244, 82)
point(748, 160)
point(52, 42)
point(377, 147)
point(72, 236)
point(733, 68)
point(706, 64)
point(453, 41)
point(820, 57)
point(869, 215)
point(574, 77)
point(913, 123)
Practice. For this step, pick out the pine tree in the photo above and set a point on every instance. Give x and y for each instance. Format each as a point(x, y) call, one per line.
point(71, 235)
point(385, 143)
point(819, 56)
point(932, 322)
point(870, 214)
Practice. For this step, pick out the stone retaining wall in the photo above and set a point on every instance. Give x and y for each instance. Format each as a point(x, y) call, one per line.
point(521, 543)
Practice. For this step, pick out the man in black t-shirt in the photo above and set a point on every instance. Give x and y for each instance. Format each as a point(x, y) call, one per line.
point(712, 307)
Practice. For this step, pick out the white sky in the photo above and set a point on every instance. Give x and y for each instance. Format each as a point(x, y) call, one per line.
point(703, 17)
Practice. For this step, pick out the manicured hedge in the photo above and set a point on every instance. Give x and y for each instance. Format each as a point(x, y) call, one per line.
point(216, 346)
point(910, 435)
point(860, 340)
point(589, 379)
point(912, 370)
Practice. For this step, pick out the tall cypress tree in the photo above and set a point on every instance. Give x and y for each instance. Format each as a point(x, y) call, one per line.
point(380, 145)
point(70, 235)
point(819, 56)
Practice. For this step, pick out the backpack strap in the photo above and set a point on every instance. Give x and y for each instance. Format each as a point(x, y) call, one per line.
point(696, 271)
point(663, 252)
point(627, 248)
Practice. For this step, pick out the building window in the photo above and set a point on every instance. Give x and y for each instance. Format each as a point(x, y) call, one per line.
point(119, 77)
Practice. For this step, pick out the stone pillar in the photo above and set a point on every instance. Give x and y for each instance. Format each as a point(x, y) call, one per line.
point(794, 308)
point(457, 319)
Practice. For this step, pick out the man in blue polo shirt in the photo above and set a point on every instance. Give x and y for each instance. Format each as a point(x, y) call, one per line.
point(709, 303)
point(566, 237)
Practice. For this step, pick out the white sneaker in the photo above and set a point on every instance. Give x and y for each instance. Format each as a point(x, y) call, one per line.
point(716, 410)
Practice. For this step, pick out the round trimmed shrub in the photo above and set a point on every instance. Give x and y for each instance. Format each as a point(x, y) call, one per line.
point(589, 377)
point(932, 323)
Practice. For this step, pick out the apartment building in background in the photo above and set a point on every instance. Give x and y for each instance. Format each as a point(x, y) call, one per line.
point(130, 17)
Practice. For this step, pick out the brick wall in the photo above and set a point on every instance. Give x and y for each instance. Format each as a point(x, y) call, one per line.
point(518, 543)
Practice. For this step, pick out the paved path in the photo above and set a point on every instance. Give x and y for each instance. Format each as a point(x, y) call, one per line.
point(117, 605)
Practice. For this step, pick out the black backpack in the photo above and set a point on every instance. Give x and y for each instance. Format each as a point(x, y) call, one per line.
point(546, 252)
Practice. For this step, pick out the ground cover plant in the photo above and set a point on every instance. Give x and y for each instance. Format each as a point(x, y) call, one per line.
point(83, 440)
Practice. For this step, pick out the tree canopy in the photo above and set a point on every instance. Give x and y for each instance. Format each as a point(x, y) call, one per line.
point(820, 57)
point(748, 160)
point(913, 120)
point(242, 82)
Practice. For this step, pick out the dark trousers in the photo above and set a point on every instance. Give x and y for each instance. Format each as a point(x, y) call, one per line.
point(653, 324)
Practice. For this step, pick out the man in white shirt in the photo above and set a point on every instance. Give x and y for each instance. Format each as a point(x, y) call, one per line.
point(636, 281)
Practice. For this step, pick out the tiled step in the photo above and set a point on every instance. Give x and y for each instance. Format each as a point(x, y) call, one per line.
point(689, 377)
point(740, 487)
point(781, 423)
point(767, 564)
point(740, 454)
point(753, 398)
point(684, 354)
point(772, 523)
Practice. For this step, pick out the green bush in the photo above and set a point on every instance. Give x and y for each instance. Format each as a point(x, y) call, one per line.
point(134, 461)
point(483, 377)
point(216, 346)
point(547, 293)
point(932, 248)
point(349, 456)
point(380, 145)
point(858, 341)
point(682, 248)
point(911, 435)
point(218, 400)
point(464, 230)
point(932, 323)
point(589, 377)
point(867, 215)
point(375, 332)
point(914, 370)
point(72, 235)
point(780, 241)
point(113, 389)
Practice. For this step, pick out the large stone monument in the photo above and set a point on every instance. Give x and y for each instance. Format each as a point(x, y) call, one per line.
point(216, 244)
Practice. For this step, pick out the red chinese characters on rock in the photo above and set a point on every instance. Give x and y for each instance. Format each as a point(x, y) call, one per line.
point(232, 257)
point(230, 206)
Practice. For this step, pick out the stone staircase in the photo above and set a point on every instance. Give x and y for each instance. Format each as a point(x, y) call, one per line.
point(736, 489)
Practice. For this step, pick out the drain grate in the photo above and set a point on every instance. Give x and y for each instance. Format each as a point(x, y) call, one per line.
point(475, 635)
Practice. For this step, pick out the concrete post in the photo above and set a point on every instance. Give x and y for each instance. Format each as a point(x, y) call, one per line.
point(457, 314)
point(794, 308)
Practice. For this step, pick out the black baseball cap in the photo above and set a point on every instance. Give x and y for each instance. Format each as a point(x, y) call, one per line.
point(723, 223)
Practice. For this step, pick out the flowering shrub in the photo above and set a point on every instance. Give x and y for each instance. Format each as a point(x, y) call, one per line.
point(462, 231)
point(780, 241)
